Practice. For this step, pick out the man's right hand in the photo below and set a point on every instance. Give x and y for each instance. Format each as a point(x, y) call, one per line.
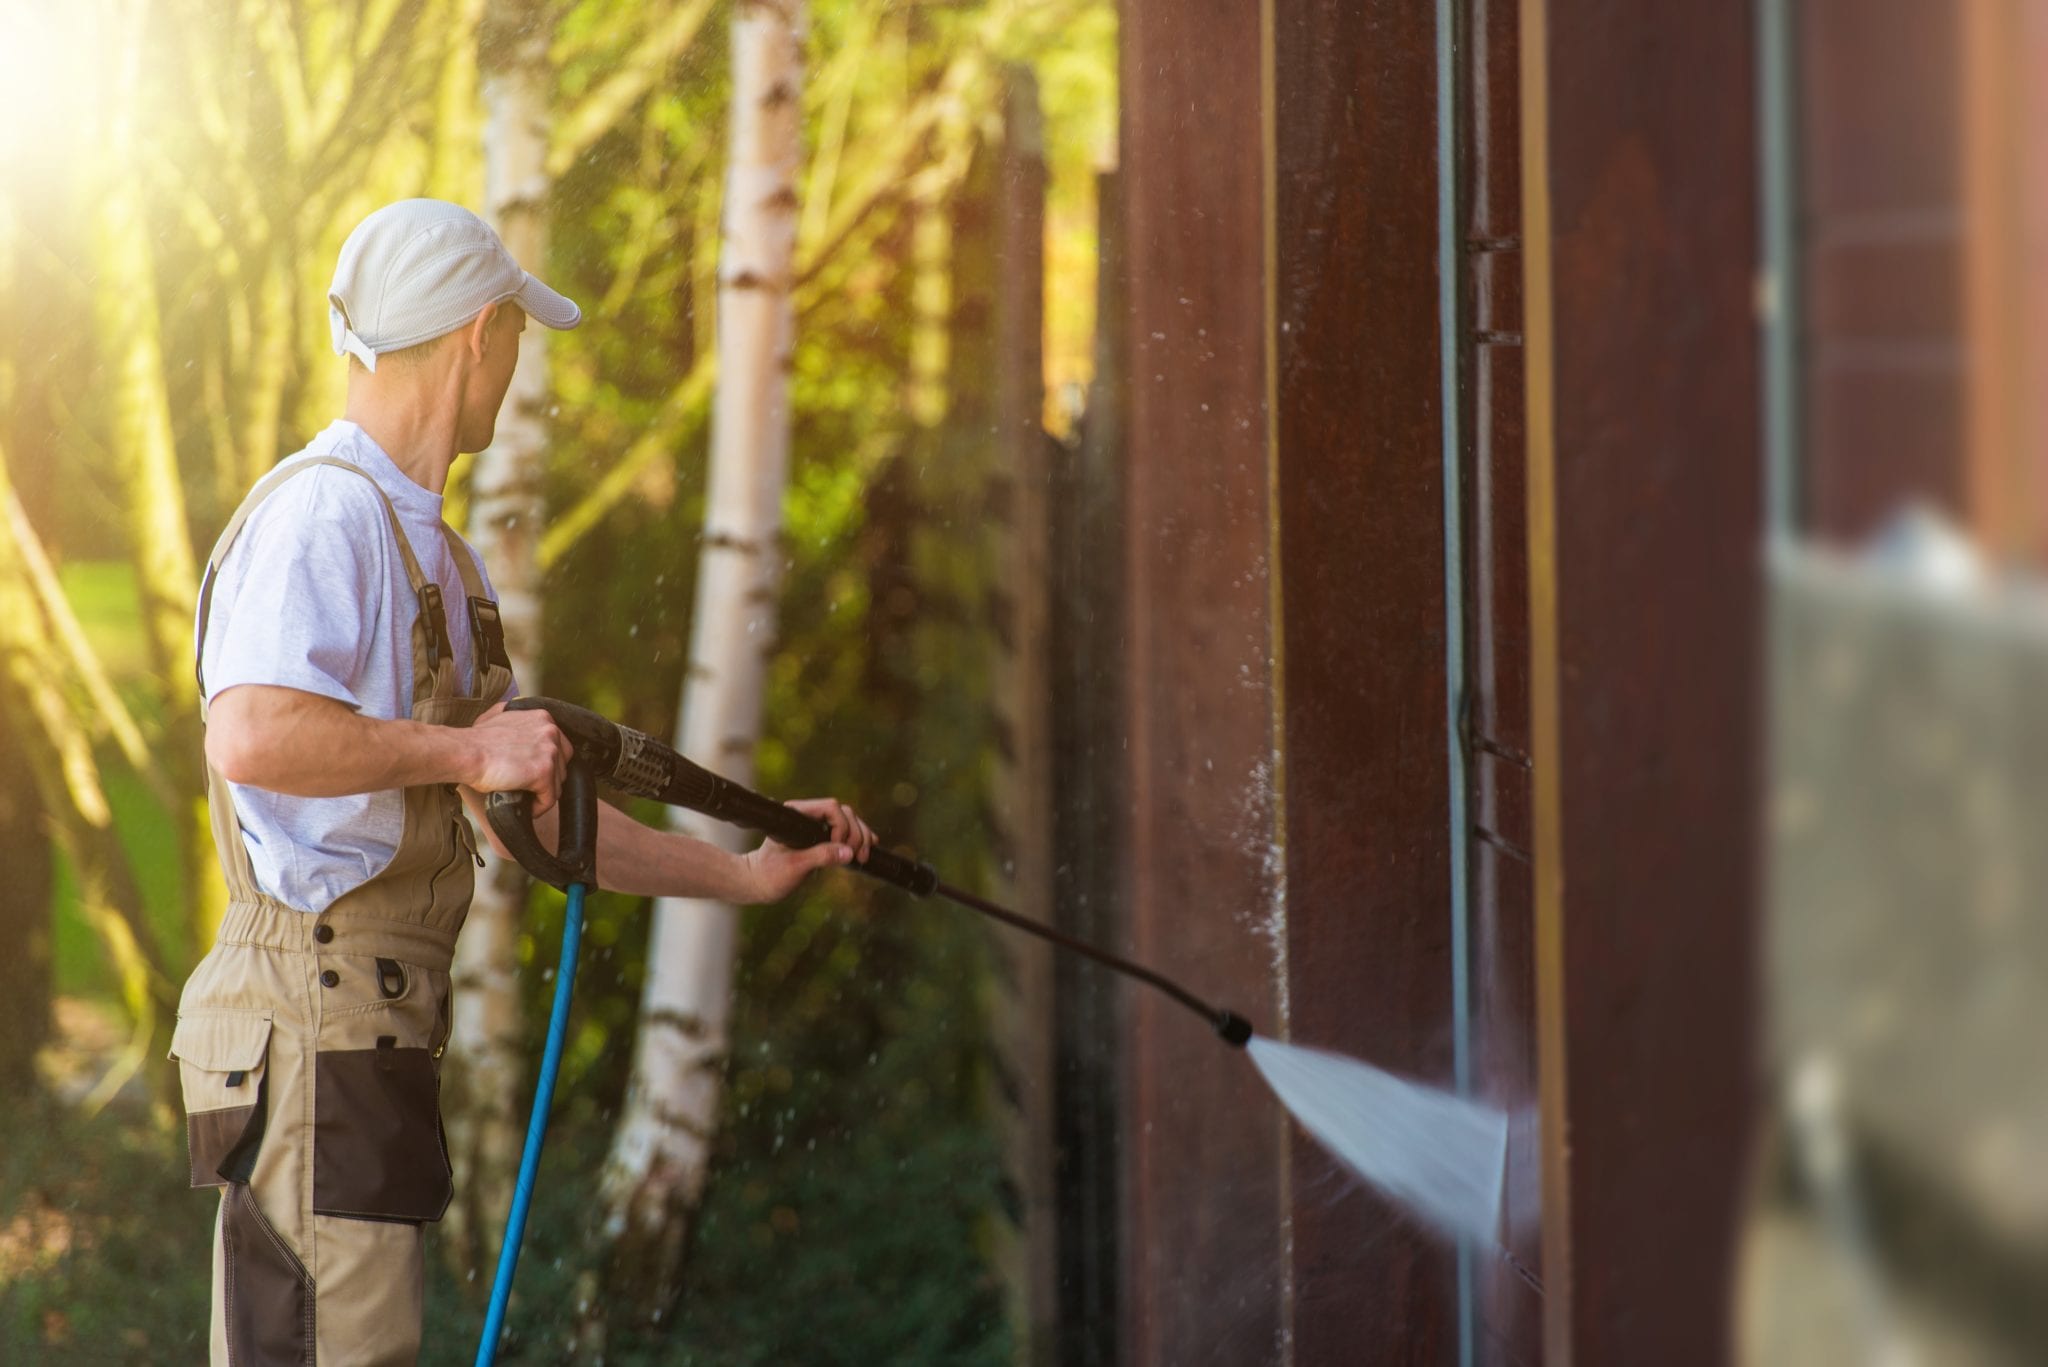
point(290, 741)
point(521, 751)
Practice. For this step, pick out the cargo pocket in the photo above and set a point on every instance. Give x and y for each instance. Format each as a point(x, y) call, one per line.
point(377, 1148)
point(222, 1057)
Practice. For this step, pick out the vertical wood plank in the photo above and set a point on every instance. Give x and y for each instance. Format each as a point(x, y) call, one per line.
point(1360, 433)
point(1088, 819)
point(1203, 1158)
point(1646, 614)
point(1019, 610)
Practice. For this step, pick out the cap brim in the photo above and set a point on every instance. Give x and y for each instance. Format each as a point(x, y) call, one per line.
point(545, 306)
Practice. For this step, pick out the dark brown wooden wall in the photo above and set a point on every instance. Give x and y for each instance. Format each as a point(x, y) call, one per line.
point(1359, 428)
point(1089, 889)
point(1290, 253)
point(1204, 1144)
point(1646, 604)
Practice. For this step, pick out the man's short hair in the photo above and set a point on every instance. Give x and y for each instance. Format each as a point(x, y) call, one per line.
point(405, 358)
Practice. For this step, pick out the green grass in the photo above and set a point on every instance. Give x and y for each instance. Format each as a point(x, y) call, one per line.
point(104, 1252)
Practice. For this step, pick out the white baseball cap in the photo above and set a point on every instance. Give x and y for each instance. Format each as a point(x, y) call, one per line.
point(420, 268)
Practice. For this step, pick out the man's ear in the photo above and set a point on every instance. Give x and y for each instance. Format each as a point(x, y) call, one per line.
point(477, 337)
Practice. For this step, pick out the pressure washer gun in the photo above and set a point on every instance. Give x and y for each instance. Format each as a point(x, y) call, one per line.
point(638, 765)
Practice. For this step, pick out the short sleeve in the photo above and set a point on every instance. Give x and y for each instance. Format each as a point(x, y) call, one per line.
point(298, 592)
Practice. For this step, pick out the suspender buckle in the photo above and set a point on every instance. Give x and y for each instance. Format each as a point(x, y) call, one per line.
point(489, 629)
point(434, 618)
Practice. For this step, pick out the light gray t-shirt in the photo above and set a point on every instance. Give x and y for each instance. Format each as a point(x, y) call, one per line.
point(313, 596)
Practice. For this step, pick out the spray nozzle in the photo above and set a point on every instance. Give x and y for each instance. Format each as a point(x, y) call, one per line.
point(1235, 1029)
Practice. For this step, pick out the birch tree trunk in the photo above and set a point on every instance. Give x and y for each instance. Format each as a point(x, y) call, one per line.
point(660, 1156)
point(505, 516)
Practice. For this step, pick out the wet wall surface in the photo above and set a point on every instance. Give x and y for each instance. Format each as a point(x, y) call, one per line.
point(1359, 427)
point(1203, 1143)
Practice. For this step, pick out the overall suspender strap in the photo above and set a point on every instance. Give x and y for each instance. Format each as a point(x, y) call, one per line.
point(493, 663)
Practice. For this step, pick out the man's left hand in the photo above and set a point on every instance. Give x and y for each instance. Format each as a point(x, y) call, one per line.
point(776, 870)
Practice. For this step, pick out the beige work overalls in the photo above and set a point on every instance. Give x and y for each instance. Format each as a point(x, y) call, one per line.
point(309, 1046)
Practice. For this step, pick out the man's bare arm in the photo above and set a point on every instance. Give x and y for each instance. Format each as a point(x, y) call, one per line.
point(299, 743)
point(641, 861)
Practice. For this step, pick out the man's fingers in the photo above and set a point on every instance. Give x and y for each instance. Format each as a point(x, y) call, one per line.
point(844, 826)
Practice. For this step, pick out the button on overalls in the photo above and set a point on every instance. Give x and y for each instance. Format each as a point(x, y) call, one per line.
point(309, 1045)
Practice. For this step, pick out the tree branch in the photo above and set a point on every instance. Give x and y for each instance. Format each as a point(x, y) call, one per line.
point(687, 406)
point(85, 662)
point(267, 24)
point(604, 106)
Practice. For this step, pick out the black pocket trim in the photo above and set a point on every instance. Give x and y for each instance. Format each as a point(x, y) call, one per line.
point(223, 1143)
point(377, 1150)
point(267, 1296)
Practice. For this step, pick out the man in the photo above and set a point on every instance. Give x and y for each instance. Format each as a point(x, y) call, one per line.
point(353, 679)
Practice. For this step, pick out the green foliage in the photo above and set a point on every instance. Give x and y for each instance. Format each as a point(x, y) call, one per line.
point(851, 1186)
point(842, 1224)
point(102, 594)
point(145, 832)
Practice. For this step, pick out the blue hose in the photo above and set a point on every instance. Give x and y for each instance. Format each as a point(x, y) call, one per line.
point(536, 1129)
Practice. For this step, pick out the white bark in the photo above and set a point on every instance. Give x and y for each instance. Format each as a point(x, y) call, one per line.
point(505, 521)
point(661, 1152)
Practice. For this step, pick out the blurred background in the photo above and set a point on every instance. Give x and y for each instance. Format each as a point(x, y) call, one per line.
point(1501, 537)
